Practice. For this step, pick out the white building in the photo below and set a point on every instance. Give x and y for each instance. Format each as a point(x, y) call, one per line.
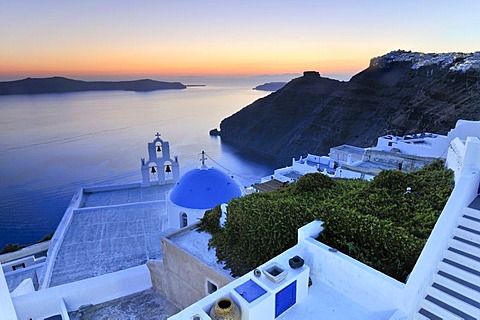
point(407, 153)
point(428, 144)
point(128, 222)
point(101, 247)
point(444, 284)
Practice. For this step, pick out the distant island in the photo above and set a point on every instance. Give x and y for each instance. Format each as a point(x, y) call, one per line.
point(63, 85)
point(270, 86)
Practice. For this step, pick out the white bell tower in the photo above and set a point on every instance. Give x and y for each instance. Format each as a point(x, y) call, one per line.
point(160, 168)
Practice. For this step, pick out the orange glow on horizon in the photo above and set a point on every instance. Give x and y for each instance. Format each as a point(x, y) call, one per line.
point(178, 38)
point(149, 68)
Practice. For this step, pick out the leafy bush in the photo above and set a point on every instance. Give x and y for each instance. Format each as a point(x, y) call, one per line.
point(392, 180)
point(11, 247)
point(375, 222)
point(211, 220)
point(313, 182)
point(378, 243)
point(256, 224)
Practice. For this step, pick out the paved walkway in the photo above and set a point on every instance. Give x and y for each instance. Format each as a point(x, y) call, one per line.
point(149, 304)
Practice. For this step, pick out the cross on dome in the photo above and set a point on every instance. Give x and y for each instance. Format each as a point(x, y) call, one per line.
point(158, 135)
point(203, 159)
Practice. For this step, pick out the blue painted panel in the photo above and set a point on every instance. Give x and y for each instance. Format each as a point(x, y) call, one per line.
point(250, 291)
point(285, 298)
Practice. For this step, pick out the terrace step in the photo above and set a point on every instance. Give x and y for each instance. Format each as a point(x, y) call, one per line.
point(470, 221)
point(467, 235)
point(457, 287)
point(436, 312)
point(454, 302)
point(426, 315)
point(460, 261)
point(464, 248)
point(469, 276)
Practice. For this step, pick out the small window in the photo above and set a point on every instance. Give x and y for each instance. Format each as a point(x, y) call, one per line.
point(183, 220)
point(18, 266)
point(211, 287)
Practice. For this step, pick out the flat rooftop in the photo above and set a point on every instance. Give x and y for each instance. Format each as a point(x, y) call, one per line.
point(148, 304)
point(124, 196)
point(115, 230)
point(196, 243)
point(293, 175)
point(271, 185)
point(324, 303)
point(349, 149)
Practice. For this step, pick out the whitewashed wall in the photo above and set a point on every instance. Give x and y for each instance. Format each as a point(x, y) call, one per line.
point(53, 301)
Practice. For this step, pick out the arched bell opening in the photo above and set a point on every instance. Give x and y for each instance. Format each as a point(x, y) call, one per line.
point(168, 169)
point(153, 172)
point(158, 149)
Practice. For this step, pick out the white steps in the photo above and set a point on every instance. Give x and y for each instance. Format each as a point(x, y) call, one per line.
point(461, 233)
point(455, 289)
point(438, 311)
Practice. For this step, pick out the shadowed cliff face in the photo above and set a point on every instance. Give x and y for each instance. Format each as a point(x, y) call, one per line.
point(311, 114)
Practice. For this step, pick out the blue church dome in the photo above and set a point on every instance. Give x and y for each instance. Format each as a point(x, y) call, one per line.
point(204, 188)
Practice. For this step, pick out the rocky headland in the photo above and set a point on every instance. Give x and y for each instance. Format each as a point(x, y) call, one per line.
point(270, 86)
point(400, 92)
point(63, 85)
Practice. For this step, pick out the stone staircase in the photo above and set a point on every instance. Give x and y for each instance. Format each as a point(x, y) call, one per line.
point(455, 291)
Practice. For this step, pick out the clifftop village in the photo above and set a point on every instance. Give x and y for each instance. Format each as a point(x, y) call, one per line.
point(134, 250)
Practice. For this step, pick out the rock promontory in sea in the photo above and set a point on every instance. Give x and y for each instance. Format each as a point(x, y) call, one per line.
point(400, 92)
point(63, 85)
point(270, 86)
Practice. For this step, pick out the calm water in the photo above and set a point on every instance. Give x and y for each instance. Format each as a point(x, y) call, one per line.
point(52, 144)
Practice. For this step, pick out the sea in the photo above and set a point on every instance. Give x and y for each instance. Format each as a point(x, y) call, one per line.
point(53, 144)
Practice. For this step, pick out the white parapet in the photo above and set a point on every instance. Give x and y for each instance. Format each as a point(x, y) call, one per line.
point(71, 296)
point(7, 311)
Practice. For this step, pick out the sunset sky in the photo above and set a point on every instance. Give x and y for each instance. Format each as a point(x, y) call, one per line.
point(145, 38)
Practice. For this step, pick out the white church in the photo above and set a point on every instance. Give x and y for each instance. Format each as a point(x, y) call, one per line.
point(199, 189)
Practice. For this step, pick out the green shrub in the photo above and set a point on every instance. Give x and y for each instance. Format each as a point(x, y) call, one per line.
point(11, 247)
point(377, 243)
point(391, 180)
point(211, 220)
point(313, 182)
point(375, 222)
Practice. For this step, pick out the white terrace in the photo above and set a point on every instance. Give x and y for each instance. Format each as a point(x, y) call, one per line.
point(445, 283)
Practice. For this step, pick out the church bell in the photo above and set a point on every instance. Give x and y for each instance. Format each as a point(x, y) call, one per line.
point(167, 168)
point(153, 170)
point(158, 148)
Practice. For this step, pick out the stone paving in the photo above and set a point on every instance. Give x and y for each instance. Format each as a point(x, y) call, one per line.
point(109, 239)
point(148, 304)
point(112, 230)
point(123, 196)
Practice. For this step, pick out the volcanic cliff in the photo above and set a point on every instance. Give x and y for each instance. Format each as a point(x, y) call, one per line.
point(400, 92)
